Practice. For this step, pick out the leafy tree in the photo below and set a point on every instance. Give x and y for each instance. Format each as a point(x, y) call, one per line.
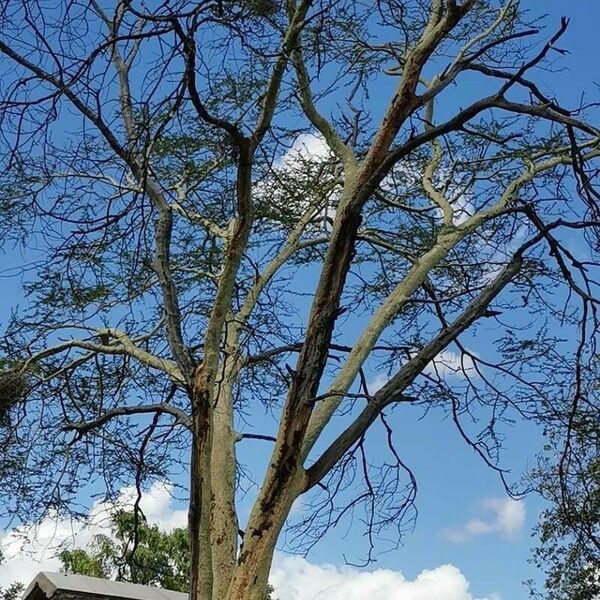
point(135, 552)
point(13, 591)
point(223, 223)
point(569, 530)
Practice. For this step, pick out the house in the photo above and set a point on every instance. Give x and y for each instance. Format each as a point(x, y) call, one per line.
point(56, 586)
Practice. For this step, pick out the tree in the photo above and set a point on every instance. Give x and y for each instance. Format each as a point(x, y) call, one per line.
point(569, 530)
point(13, 591)
point(136, 552)
point(220, 214)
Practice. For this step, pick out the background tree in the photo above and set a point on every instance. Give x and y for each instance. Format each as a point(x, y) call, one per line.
point(137, 552)
point(222, 220)
point(569, 530)
point(134, 551)
point(13, 591)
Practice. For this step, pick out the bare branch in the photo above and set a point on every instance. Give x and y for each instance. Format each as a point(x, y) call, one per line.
point(392, 390)
point(85, 427)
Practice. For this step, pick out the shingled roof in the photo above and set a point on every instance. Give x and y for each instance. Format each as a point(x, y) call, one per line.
point(57, 586)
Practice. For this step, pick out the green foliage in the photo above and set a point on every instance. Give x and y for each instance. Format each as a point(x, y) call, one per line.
point(127, 216)
point(569, 531)
point(83, 563)
point(135, 552)
point(12, 389)
point(12, 592)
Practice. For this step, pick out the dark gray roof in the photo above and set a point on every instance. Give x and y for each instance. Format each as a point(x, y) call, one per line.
point(49, 583)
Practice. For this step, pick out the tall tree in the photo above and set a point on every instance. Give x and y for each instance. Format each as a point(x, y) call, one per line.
point(234, 204)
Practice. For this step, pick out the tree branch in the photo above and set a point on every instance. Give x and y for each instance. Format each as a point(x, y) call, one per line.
point(393, 390)
point(83, 427)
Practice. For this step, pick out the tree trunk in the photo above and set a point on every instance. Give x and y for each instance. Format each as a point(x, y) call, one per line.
point(201, 570)
point(224, 523)
point(251, 578)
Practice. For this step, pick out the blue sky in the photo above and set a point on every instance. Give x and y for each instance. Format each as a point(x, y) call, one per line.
point(453, 483)
point(464, 515)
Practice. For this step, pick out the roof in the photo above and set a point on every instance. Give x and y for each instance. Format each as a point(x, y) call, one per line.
point(49, 583)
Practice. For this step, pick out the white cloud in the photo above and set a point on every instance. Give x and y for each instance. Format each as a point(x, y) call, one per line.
point(463, 208)
point(506, 518)
point(33, 548)
point(449, 363)
point(294, 578)
point(306, 161)
point(510, 514)
point(377, 382)
point(306, 147)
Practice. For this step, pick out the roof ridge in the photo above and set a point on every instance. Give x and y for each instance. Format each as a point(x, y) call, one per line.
point(50, 582)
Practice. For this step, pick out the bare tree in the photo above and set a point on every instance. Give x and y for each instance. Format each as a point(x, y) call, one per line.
point(220, 213)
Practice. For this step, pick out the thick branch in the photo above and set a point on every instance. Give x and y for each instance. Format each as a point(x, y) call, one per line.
point(409, 372)
point(124, 347)
point(189, 51)
point(269, 101)
point(161, 265)
point(405, 100)
point(333, 139)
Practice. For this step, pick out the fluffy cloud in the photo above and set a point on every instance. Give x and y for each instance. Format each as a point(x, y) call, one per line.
point(306, 147)
point(447, 363)
point(506, 517)
point(307, 160)
point(294, 578)
point(33, 548)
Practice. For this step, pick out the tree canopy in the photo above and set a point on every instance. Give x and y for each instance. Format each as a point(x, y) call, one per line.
point(234, 214)
point(134, 551)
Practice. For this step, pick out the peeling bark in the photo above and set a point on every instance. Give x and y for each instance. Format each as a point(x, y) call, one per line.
point(250, 581)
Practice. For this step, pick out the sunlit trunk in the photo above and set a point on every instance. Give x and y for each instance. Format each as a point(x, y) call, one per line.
point(201, 570)
point(251, 578)
point(224, 524)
